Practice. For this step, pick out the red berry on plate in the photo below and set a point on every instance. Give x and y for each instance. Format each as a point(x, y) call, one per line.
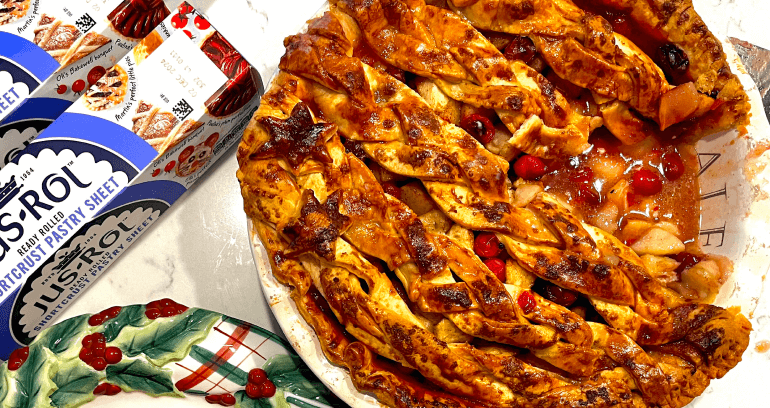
point(79, 85)
point(86, 355)
point(61, 89)
point(156, 172)
point(165, 302)
point(527, 302)
point(14, 363)
point(96, 74)
point(87, 341)
point(96, 319)
point(673, 167)
point(496, 266)
point(99, 363)
point(213, 398)
point(23, 353)
point(479, 127)
point(112, 389)
point(99, 338)
point(392, 189)
point(486, 245)
point(112, 312)
point(178, 21)
point(646, 182)
point(170, 166)
point(257, 376)
point(227, 400)
point(254, 391)
point(101, 389)
point(113, 355)
point(529, 167)
point(168, 311)
point(201, 23)
point(152, 314)
point(268, 389)
point(98, 349)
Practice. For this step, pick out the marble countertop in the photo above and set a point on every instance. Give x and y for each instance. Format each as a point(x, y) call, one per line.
point(199, 254)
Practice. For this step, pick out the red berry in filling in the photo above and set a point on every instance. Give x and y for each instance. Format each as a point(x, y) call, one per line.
point(392, 189)
point(582, 175)
point(479, 127)
point(527, 302)
point(99, 363)
point(254, 391)
point(487, 245)
point(559, 295)
point(113, 355)
point(587, 194)
point(257, 376)
point(521, 48)
point(529, 167)
point(646, 182)
point(673, 167)
point(686, 261)
point(227, 400)
point(496, 266)
point(268, 389)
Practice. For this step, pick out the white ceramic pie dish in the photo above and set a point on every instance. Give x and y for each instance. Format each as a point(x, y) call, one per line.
point(735, 218)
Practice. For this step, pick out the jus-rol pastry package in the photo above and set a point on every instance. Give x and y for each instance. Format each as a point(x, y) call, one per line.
point(93, 182)
point(51, 51)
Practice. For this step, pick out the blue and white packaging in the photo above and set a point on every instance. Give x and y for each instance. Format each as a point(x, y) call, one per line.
point(51, 51)
point(92, 183)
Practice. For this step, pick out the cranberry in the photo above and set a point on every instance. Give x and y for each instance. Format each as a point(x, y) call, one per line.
point(257, 376)
point(521, 48)
point(253, 390)
point(112, 389)
point(101, 389)
point(166, 302)
point(152, 314)
point(86, 355)
point(527, 302)
point(496, 266)
point(168, 311)
point(672, 59)
point(588, 195)
point(582, 175)
point(529, 167)
point(113, 355)
point(201, 23)
point(112, 312)
point(177, 21)
point(79, 86)
point(673, 167)
point(61, 89)
point(17, 358)
point(479, 127)
point(227, 400)
point(98, 349)
point(687, 260)
point(170, 166)
point(99, 363)
point(96, 319)
point(559, 295)
point(268, 389)
point(213, 399)
point(392, 189)
point(487, 245)
point(646, 182)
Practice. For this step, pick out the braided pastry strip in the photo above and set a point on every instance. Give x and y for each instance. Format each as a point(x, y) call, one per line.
point(584, 50)
point(287, 199)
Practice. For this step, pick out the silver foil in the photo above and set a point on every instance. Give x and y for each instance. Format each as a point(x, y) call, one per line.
point(757, 62)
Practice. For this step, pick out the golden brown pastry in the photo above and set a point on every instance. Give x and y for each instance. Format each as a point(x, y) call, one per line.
point(368, 202)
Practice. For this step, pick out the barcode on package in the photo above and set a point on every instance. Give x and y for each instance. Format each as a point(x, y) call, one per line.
point(182, 109)
point(85, 23)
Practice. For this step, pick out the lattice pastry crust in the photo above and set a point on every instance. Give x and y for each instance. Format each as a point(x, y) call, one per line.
point(399, 298)
point(12, 10)
point(153, 124)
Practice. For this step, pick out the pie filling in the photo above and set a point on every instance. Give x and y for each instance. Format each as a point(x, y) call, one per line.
point(466, 220)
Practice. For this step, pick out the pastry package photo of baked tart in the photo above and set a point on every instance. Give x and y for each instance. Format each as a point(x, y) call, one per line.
point(242, 80)
point(153, 124)
point(108, 91)
point(64, 42)
point(135, 19)
point(147, 46)
point(485, 203)
point(12, 10)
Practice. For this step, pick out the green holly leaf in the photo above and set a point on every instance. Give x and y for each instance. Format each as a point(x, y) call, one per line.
point(165, 340)
point(59, 336)
point(76, 384)
point(32, 380)
point(3, 383)
point(244, 401)
point(138, 375)
point(129, 316)
point(290, 374)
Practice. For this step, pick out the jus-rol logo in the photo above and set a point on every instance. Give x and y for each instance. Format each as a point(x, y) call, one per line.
point(44, 200)
point(77, 264)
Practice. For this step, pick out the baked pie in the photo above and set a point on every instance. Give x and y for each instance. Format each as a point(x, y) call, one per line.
point(153, 124)
point(180, 133)
point(242, 79)
point(12, 10)
point(135, 19)
point(432, 181)
point(108, 91)
point(147, 46)
point(64, 42)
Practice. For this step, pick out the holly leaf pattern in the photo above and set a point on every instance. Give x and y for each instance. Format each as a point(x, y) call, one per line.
point(138, 375)
point(32, 380)
point(129, 316)
point(76, 384)
point(58, 337)
point(167, 339)
point(244, 401)
point(289, 373)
